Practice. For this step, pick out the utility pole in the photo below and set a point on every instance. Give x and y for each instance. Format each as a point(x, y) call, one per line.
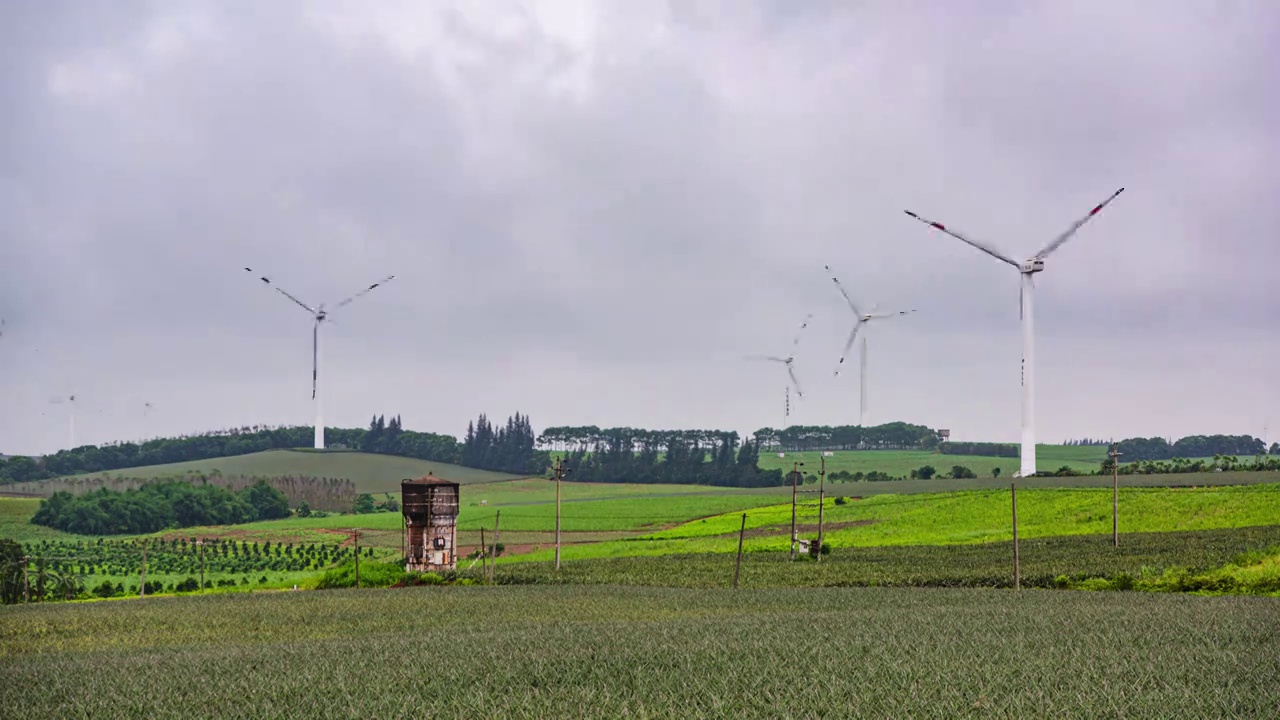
point(1017, 576)
point(560, 471)
point(200, 544)
point(355, 537)
point(493, 562)
point(738, 567)
point(484, 555)
point(142, 584)
point(26, 581)
point(822, 485)
point(795, 475)
point(1115, 494)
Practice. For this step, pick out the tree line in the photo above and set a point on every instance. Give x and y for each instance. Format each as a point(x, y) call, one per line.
point(1219, 463)
point(159, 506)
point(511, 448)
point(1192, 446)
point(890, 436)
point(704, 457)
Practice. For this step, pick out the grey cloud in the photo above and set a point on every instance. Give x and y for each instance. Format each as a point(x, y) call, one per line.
point(592, 218)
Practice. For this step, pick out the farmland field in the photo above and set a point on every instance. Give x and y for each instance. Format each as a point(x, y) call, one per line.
point(645, 652)
point(900, 463)
point(956, 518)
point(628, 521)
point(1241, 560)
point(370, 472)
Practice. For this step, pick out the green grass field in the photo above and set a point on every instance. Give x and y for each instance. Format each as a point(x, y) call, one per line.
point(1243, 560)
point(900, 463)
point(954, 518)
point(603, 521)
point(371, 473)
point(525, 652)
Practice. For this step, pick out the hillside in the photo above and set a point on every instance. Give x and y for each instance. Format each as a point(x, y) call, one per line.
point(371, 473)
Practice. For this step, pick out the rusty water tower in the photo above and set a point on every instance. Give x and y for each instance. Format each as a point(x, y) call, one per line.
point(430, 507)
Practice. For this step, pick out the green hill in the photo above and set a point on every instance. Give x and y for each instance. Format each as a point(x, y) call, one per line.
point(371, 473)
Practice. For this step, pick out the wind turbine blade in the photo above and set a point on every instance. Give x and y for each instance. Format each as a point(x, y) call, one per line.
point(848, 344)
point(1058, 241)
point(981, 246)
point(770, 358)
point(892, 314)
point(365, 291)
point(315, 352)
point(840, 287)
point(794, 381)
point(301, 304)
point(796, 343)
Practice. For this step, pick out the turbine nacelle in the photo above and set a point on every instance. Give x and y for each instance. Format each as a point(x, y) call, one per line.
point(1034, 265)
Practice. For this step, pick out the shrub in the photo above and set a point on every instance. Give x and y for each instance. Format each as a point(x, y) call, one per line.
point(189, 584)
point(960, 472)
point(364, 503)
point(841, 501)
point(304, 510)
point(926, 472)
point(372, 574)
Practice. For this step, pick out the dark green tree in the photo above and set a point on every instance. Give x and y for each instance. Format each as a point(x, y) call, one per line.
point(364, 503)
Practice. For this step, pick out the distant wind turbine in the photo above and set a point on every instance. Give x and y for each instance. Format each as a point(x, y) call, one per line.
point(147, 409)
point(859, 319)
point(71, 422)
point(319, 315)
point(1028, 268)
point(787, 362)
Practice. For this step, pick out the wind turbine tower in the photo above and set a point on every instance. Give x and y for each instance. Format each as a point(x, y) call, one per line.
point(859, 319)
point(71, 418)
point(791, 373)
point(1027, 268)
point(318, 316)
point(147, 409)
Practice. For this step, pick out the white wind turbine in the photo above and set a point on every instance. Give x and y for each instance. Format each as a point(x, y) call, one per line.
point(318, 316)
point(860, 318)
point(1027, 268)
point(791, 373)
point(71, 421)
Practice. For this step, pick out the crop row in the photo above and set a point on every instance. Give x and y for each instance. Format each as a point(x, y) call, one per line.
point(1044, 562)
point(645, 652)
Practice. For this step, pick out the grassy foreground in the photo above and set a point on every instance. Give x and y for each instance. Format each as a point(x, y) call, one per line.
point(642, 652)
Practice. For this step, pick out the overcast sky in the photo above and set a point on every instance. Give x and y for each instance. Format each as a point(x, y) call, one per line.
point(594, 210)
